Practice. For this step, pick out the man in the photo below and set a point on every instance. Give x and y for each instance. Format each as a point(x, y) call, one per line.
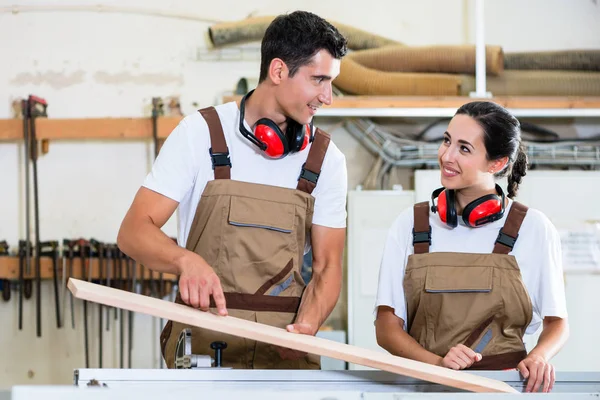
point(256, 187)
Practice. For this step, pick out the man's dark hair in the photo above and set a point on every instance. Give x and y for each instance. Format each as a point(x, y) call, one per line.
point(295, 38)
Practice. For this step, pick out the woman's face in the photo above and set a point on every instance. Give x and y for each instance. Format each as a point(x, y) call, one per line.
point(462, 155)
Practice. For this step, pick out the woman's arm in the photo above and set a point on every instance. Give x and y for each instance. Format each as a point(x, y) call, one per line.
point(536, 366)
point(393, 338)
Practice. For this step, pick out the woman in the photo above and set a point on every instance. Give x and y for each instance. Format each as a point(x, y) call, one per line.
point(461, 285)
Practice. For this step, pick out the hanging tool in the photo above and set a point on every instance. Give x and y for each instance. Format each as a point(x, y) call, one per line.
point(109, 261)
point(50, 249)
point(5, 282)
point(68, 255)
point(25, 257)
point(131, 267)
point(24, 289)
point(84, 250)
point(100, 251)
point(36, 108)
point(122, 286)
point(157, 110)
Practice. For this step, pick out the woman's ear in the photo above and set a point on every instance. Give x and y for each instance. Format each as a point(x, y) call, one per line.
point(498, 165)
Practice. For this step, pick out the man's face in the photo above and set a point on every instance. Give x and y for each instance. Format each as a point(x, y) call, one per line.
point(301, 96)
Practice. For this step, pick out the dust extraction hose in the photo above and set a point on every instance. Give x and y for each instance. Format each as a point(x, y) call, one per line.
point(440, 59)
point(253, 29)
point(566, 60)
point(538, 83)
point(360, 80)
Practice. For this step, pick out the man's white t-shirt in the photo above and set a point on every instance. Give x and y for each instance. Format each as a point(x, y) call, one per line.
point(537, 250)
point(183, 168)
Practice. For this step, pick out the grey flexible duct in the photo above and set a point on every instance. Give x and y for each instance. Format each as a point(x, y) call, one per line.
point(359, 80)
point(253, 29)
point(538, 83)
point(567, 60)
point(439, 59)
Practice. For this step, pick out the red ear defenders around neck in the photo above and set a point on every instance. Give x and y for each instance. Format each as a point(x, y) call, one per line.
point(271, 139)
point(486, 209)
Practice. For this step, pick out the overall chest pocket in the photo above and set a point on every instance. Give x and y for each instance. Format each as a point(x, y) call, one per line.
point(455, 297)
point(260, 230)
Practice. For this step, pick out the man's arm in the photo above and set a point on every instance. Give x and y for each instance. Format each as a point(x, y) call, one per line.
point(323, 290)
point(141, 238)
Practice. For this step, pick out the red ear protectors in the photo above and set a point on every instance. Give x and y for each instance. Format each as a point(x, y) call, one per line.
point(269, 137)
point(486, 209)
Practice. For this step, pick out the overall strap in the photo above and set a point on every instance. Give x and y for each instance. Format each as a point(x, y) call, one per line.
point(510, 231)
point(422, 230)
point(219, 153)
point(312, 167)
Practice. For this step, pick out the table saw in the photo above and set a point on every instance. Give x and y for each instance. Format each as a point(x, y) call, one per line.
point(214, 383)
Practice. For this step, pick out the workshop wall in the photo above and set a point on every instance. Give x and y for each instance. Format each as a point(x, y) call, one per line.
point(94, 64)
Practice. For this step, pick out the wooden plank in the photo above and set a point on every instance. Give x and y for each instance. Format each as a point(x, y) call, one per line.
point(89, 128)
point(280, 337)
point(9, 269)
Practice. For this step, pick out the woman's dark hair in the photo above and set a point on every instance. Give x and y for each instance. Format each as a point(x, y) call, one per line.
point(502, 138)
point(296, 38)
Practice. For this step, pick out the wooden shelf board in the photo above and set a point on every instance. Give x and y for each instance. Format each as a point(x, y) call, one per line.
point(89, 128)
point(526, 102)
point(9, 269)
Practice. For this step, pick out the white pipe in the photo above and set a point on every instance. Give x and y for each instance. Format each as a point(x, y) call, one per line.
point(16, 9)
point(480, 68)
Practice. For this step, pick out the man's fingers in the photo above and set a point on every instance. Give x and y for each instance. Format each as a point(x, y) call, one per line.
point(183, 289)
point(194, 296)
point(217, 293)
point(302, 328)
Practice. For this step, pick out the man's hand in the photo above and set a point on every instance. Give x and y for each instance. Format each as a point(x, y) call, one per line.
point(539, 371)
point(289, 354)
point(197, 282)
point(460, 357)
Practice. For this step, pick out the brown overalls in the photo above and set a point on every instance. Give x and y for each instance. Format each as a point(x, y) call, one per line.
point(253, 236)
point(478, 300)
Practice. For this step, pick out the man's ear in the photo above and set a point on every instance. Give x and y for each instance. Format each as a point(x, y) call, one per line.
point(278, 71)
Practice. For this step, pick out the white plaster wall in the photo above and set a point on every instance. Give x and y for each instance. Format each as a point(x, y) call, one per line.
point(91, 64)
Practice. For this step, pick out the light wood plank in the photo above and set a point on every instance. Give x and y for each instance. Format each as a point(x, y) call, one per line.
point(280, 337)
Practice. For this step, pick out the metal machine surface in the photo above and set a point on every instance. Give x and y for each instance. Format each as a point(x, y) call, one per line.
point(309, 381)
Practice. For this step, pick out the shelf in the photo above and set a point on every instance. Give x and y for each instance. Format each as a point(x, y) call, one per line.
point(415, 106)
point(89, 128)
point(9, 269)
point(346, 106)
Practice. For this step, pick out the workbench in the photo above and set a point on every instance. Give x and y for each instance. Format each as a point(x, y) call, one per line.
point(214, 383)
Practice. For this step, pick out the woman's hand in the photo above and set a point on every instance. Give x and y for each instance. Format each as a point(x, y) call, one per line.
point(537, 370)
point(460, 357)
